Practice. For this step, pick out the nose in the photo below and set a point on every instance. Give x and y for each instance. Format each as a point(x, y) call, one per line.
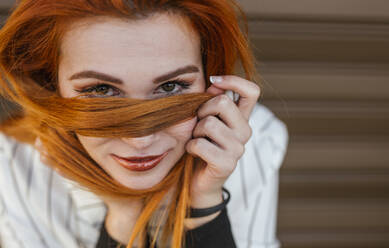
point(140, 142)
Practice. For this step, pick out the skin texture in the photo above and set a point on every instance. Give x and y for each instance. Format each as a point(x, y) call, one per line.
point(136, 52)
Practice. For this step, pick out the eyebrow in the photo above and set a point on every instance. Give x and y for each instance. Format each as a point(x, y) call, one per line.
point(108, 78)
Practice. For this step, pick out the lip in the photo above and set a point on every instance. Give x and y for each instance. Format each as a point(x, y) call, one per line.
point(139, 163)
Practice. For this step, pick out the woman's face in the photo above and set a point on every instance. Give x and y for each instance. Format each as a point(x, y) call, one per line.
point(143, 59)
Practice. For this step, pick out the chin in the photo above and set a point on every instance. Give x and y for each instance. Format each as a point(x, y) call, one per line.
point(142, 184)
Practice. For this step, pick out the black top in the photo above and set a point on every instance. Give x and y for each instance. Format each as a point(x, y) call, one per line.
point(214, 234)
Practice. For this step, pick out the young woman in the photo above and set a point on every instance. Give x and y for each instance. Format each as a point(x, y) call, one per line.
point(124, 98)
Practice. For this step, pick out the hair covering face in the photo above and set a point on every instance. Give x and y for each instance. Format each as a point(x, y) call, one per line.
point(29, 49)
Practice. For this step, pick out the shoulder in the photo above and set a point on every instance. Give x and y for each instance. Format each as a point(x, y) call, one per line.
point(14, 152)
point(15, 157)
point(16, 161)
point(6, 145)
point(35, 200)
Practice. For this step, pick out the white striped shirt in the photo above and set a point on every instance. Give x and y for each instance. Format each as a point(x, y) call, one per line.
point(40, 208)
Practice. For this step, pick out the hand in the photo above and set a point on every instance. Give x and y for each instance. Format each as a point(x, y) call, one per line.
point(220, 137)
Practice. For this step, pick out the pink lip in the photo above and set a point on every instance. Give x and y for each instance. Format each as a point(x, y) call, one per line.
point(139, 163)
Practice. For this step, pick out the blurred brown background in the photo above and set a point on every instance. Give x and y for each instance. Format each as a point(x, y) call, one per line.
point(325, 69)
point(325, 64)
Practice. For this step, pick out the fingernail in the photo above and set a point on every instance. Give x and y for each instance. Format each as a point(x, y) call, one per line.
point(215, 79)
point(230, 94)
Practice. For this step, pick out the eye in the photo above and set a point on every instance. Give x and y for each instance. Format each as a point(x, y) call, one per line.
point(99, 90)
point(170, 88)
point(106, 90)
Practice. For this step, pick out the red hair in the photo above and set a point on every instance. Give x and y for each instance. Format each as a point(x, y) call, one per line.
point(29, 53)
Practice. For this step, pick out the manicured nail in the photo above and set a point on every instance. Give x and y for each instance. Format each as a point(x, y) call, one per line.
point(215, 79)
point(230, 94)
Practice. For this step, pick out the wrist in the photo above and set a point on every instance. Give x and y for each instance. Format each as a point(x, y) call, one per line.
point(206, 199)
point(202, 201)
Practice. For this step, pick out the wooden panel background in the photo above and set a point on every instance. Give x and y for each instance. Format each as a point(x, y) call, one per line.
point(325, 70)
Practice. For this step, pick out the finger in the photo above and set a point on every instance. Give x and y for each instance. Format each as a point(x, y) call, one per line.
point(214, 90)
point(217, 91)
point(249, 92)
point(212, 155)
point(203, 149)
point(232, 95)
point(219, 133)
point(223, 107)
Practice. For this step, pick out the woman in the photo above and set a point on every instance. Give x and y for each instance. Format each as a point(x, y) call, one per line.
point(116, 97)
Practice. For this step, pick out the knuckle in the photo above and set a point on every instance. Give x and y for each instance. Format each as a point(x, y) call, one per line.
point(256, 90)
point(194, 145)
point(249, 132)
point(189, 146)
point(197, 143)
point(191, 143)
point(231, 167)
point(245, 134)
point(209, 122)
point(240, 150)
point(222, 100)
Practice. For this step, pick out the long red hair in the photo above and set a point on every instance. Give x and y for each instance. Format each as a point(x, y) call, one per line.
point(29, 54)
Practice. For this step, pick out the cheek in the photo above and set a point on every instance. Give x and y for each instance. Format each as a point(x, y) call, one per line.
point(91, 143)
point(182, 132)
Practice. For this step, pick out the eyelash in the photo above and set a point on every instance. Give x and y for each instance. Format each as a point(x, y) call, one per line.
point(88, 90)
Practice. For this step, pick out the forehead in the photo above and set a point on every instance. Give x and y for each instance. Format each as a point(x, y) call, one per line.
point(158, 43)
